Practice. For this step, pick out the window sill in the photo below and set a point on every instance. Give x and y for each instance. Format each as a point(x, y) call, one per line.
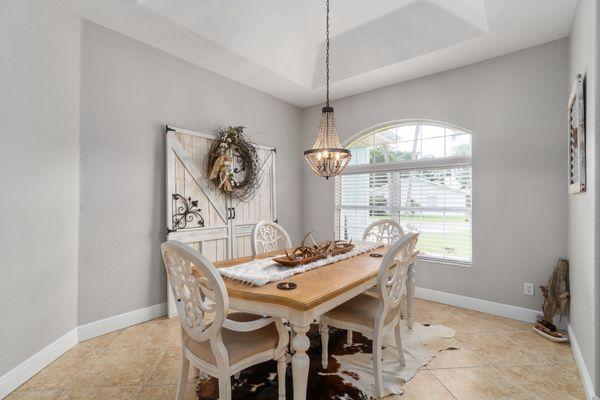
point(450, 262)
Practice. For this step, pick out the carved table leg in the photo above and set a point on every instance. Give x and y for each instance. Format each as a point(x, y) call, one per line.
point(410, 296)
point(300, 361)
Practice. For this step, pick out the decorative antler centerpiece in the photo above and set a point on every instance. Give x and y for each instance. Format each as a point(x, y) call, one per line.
point(305, 254)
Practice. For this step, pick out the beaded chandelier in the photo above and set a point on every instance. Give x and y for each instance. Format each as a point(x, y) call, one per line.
point(327, 157)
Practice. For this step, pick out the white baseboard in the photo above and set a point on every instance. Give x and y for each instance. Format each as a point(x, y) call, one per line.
point(28, 368)
point(518, 313)
point(18, 375)
point(471, 303)
point(34, 364)
point(586, 378)
point(111, 324)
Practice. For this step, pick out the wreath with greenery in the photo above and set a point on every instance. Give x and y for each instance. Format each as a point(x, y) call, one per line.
point(232, 164)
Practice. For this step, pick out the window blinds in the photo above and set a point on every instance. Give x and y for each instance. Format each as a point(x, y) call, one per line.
point(436, 202)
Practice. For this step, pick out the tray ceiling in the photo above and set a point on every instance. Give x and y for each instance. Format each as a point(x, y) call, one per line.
point(277, 46)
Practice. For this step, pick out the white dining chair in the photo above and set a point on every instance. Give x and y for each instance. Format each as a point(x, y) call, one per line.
point(218, 343)
point(269, 236)
point(375, 316)
point(386, 231)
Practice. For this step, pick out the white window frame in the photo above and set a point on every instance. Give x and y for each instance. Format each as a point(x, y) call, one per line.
point(410, 165)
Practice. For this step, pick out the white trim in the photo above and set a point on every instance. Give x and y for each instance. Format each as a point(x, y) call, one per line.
point(385, 125)
point(423, 163)
point(274, 186)
point(199, 234)
point(24, 371)
point(34, 364)
point(586, 378)
point(210, 136)
point(40, 360)
point(171, 128)
point(471, 303)
point(121, 321)
point(453, 262)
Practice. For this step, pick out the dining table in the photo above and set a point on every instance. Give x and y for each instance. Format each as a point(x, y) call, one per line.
point(315, 292)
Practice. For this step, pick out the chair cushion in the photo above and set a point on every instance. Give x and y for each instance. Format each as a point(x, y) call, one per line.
point(239, 345)
point(360, 310)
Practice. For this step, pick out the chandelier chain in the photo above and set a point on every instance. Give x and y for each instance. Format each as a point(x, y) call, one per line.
point(327, 158)
point(327, 52)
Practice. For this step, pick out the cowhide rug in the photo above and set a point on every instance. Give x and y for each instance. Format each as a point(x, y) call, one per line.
point(350, 372)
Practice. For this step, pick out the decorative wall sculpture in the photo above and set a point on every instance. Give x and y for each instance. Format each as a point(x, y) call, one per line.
point(577, 136)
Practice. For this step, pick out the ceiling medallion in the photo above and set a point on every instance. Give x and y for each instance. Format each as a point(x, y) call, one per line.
point(327, 157)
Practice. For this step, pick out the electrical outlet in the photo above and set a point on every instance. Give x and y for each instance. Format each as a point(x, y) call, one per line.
point(528, 288)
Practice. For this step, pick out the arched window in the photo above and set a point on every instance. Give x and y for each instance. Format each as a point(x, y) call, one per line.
point(417, 173)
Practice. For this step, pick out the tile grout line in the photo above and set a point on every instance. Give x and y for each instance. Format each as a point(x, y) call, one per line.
point(142, 386)
point(536, 354)
point(560, 366)
point(521, 346)
point(64, 389)
point(444, 386)
point(96, 357)
point(145, 384)
point(515, 385)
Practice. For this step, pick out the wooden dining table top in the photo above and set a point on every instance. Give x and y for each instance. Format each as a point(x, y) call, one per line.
point(314, 287)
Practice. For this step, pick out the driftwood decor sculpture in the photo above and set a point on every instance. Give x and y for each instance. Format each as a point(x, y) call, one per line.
point(556, 301)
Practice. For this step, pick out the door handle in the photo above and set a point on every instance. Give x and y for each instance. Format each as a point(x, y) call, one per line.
point(230, 212)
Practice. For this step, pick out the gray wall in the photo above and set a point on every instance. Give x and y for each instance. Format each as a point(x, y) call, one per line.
point(129, 92)
point(39, 150)
point(63, 159)
point(583, 208)
point(515, 107)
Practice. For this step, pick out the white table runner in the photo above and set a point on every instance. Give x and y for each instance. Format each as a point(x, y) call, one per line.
point(260, 272)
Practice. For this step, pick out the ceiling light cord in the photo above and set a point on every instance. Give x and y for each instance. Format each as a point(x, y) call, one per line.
point(327, 52)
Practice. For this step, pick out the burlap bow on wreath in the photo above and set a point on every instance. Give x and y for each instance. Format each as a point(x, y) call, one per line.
point(221, 171)
point(242, 179)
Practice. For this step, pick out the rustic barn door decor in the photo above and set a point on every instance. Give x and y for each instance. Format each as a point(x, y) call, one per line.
point(202, 216)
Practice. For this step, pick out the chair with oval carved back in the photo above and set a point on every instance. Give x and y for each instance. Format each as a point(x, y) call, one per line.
point(386, 231)
point(375, 316)
point(269, 236)
point(215, 342)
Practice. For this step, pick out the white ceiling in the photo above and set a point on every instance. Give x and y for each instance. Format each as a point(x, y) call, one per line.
point(277, 46)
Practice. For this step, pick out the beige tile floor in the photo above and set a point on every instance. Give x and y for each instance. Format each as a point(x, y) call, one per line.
point(497, 358)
